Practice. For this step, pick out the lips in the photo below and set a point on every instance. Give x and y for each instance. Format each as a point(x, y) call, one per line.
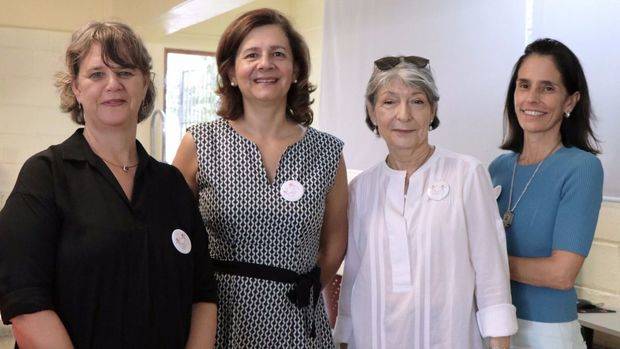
point(114, 102)
point(533, 113)
point(265, 80)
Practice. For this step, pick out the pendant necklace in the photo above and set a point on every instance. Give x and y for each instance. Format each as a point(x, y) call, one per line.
point(509, 215)
point(125, 168)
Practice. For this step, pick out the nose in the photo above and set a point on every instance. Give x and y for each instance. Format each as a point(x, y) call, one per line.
point(403, 113)
point(533, 95)
point(265, 62)
point(113, 83)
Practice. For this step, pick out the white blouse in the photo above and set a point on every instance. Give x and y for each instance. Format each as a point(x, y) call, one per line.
point(425, 269)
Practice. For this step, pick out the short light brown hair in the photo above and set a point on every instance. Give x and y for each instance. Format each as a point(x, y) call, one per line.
point(119, 45)
point(298, 98)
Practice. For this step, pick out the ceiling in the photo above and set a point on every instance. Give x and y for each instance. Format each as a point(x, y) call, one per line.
point(155, 20)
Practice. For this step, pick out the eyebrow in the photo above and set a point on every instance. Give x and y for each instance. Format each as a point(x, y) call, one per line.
point(545, 82)
point(388, 92)
point(256, 48)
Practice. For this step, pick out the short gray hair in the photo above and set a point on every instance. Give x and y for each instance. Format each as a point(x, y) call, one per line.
point(410, 75)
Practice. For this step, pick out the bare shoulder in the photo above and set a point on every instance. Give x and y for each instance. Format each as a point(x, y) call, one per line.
point(186, 160)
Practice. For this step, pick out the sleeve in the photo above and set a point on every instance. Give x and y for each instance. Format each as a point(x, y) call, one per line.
point(579, 207)
point(487, 245)
point(343, 331)
point(205, 285)
point(29, 230)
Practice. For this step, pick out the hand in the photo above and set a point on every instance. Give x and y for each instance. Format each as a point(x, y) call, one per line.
point(499, 342)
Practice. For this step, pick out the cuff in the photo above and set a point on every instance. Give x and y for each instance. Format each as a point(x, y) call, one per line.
point(24, 301)
point(343, 331)
point(497, 320)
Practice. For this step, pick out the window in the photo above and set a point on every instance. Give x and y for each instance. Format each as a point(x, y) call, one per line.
point(191, 81)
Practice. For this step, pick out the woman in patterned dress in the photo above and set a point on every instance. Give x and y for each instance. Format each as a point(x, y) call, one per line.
point(272, 190)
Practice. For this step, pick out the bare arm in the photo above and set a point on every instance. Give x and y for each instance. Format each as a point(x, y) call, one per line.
point(42, 329)
point(186, 160)
point(203, 327)
point(499, 342)
point(335, 227)
point(558, 271)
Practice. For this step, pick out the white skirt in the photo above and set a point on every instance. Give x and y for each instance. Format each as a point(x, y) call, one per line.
point(543, 335)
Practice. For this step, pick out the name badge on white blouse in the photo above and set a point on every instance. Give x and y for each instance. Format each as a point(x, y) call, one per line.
point(181, 241)
point(438, 190)
point(291, 190)
point(497, 191)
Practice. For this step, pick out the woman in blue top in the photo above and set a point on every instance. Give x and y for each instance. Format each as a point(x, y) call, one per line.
point(551, 192)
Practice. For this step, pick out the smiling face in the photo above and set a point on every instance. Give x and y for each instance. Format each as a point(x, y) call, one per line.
point(110, 96)
point(402, 114)
point(540, 97)
point(264, 66)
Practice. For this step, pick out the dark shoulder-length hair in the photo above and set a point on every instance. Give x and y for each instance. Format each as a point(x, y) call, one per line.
point(298, 98)
point(575, 131)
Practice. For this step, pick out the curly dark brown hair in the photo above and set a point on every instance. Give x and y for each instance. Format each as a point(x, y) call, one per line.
point(119, 45)
point(298, 98)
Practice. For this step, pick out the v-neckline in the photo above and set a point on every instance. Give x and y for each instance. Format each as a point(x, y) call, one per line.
point(259, 154)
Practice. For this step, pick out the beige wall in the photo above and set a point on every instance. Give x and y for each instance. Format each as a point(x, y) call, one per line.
point(599, 280)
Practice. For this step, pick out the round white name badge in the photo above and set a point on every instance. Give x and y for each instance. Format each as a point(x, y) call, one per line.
point(291, 190)
point(438, 190)
point(497, 191)
point(181, 241)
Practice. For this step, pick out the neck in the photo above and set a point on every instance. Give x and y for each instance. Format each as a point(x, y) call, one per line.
point(409, 159)
point(118, 147)
point(537, 147)
point(265, 120)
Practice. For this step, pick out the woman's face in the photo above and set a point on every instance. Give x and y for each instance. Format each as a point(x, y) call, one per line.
point(403, 115)
point(110, 96)
point(264, 67)
point(540, 97)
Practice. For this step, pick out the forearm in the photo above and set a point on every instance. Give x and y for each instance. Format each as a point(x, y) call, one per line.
point(42, 329)
point(330, 261)
point(542, 272)
point(499, 342)
point(203, 327)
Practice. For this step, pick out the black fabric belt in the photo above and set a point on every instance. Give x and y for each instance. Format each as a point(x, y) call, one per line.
point(306, 291)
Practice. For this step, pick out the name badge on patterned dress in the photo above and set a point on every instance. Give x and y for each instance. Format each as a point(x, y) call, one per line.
point(292, 190)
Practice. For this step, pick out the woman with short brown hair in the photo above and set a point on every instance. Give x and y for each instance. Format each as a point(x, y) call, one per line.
point(102, 246)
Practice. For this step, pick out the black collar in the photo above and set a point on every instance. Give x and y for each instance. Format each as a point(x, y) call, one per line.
point(76, 148)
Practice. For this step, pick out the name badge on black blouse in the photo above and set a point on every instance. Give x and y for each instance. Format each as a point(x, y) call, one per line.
point(181, 241)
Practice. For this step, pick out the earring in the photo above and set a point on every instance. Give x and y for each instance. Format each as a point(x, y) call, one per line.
point(567, 114)
point(430, 127)
point(295, 81)
point(80, 116)
point(232, 83)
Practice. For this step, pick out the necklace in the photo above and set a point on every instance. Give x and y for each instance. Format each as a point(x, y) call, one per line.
point(125, 168)
point(509, 215)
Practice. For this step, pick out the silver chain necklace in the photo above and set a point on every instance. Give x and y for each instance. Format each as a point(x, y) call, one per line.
point(509, 215)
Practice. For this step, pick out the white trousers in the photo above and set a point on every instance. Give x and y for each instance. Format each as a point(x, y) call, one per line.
point(543, 335)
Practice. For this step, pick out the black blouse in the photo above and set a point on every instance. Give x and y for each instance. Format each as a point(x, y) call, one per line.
point(71, 242)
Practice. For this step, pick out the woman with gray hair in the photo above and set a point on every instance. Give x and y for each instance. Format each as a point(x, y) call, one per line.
point(426, 263)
